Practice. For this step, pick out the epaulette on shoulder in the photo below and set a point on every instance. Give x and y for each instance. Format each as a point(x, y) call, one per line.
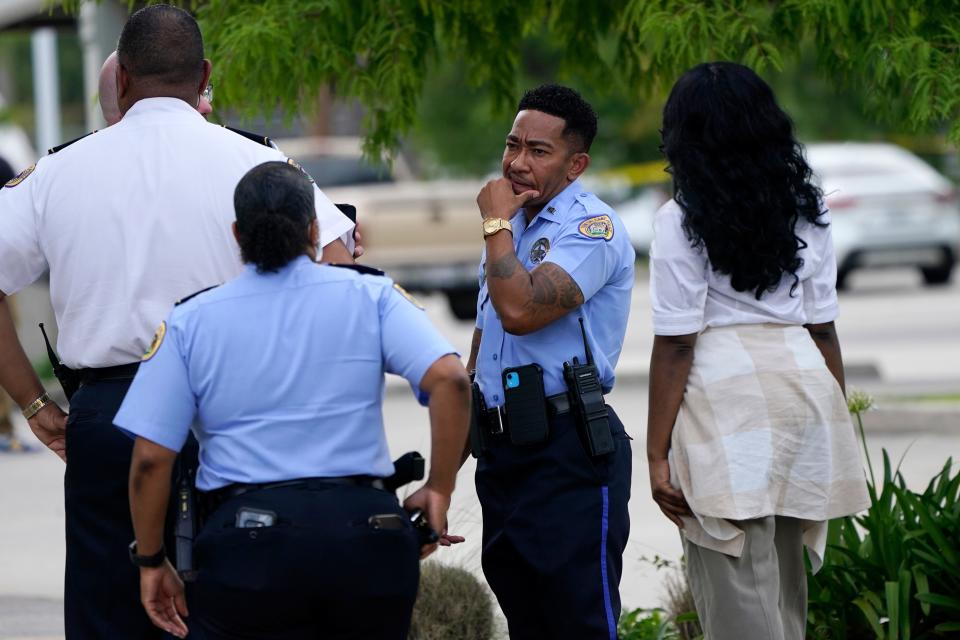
point(256, 137)
point(194, 295)
point(359, 268)
point(61, 147)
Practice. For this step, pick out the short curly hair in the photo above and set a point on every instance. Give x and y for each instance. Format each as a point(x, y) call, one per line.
point(564, 102)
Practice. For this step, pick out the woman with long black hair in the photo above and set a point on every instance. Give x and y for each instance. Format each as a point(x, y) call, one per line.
point(750, 445)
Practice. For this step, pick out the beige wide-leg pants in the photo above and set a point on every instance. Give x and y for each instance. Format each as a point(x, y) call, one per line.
point(762, 595)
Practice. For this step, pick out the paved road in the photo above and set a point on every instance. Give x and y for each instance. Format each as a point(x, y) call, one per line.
point(909, 335)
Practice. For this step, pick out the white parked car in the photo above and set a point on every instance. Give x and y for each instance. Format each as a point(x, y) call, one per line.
point(889, 208)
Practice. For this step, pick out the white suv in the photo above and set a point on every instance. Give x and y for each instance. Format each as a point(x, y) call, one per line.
point(889, 208)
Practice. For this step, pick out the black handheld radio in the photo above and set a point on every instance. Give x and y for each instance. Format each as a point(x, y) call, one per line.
point(586, 400)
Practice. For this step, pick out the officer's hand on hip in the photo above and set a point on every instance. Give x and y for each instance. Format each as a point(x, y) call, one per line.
point(435, 504)
point(497, 199)
point(162, 595)
point(50, 426)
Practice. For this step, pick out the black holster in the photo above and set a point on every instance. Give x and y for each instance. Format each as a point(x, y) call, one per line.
point(69, 378)
point(187, 520)
point(478, 420)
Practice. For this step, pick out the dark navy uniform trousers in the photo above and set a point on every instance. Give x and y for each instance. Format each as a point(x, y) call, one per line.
point(102, 587)
point(321, 571)
point(555, 525)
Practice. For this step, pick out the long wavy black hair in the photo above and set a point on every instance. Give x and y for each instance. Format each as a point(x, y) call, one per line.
point(739, 175)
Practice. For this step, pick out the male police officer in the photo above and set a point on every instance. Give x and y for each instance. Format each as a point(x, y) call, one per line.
point(127, 221)
point(553, 473)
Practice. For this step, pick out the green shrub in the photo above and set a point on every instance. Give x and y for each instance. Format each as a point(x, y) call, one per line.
point(646, 624)
point(894, 571)
point(452, 604)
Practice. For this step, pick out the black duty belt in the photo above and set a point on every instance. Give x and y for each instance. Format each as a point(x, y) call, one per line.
point(118, 372)
point(557, 405)
point(238, 489)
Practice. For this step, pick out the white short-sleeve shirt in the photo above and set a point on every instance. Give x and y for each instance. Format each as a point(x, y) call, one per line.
point(129, 220)
point(688, 296)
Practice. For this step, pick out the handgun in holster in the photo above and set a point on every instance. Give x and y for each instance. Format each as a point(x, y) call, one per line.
point(69, 378)
point(586, 401)
point(408, 468)
point(478, 427)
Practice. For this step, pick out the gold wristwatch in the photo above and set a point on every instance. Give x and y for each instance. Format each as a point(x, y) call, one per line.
point(34, 407)
point(493, 225)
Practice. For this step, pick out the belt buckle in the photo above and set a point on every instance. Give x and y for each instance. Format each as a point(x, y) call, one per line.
point(497, 428)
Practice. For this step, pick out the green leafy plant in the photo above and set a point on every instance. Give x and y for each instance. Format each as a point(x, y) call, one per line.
point(894, 571)
point(270, 53)
point(646, 624)
point(676, 621)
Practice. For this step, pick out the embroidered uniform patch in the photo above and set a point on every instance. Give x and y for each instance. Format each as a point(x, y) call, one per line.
point(539, 250)
point(293, 163)
point(157, 341)
point(597, 227)
point(20, 178)
point(407, 295)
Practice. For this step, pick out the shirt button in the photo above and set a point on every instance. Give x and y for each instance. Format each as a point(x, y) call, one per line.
point(494, 356)
point(583, 195)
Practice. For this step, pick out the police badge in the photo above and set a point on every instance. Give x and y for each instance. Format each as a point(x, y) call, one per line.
point(539, 250)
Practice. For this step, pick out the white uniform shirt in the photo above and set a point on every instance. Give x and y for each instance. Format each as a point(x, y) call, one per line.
point(129, 220)
point(688, 296)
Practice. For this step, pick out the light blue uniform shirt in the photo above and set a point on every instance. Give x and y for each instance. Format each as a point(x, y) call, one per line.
point(284, 374)
point(582, 235)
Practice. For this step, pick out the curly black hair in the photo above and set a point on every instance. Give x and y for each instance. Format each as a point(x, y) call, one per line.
point(564, 102)
point(739, 175)
point(274, 206)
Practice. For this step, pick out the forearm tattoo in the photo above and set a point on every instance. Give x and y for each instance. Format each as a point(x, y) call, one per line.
point(503, 267)
point(553, 287)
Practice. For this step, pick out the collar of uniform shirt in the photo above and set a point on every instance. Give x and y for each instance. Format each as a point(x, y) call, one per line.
point(163, 105)
point(556, 209)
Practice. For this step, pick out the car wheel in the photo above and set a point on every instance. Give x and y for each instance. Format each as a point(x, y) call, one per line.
point(463, 303)
point(937, 275)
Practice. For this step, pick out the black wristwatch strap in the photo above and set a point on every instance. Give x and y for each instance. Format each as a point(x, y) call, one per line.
point(146, 561)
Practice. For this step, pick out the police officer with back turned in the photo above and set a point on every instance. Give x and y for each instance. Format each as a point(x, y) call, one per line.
point(128, 220)
point(283, 369)
point(553, 474)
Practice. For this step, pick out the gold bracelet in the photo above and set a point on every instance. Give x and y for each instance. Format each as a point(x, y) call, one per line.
point(34, 407)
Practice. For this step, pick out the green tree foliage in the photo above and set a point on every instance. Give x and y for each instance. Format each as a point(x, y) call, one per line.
point(904, 55)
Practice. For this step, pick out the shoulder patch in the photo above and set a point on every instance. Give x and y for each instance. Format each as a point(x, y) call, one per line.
point(21, 177)
point(293, 163)
point(406, 294)
point(157, 341)
point(359, 268)
point(597, 227)
point(61, 147)
point(194, 295)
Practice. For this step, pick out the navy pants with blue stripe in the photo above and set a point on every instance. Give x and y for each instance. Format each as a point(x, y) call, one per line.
point(555, 525)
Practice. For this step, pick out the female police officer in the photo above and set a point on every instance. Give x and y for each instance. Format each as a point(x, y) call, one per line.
point(283, 370)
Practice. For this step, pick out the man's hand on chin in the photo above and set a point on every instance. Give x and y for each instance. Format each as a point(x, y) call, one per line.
point(497, 199)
